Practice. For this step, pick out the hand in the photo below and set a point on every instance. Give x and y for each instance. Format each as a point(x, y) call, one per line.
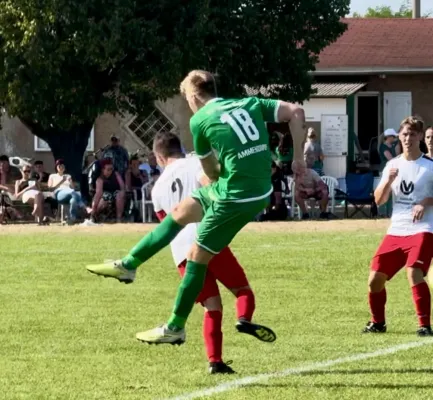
point(393, 173)
point(418, 212)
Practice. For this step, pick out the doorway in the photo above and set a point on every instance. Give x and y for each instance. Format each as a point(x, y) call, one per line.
point(367, 119)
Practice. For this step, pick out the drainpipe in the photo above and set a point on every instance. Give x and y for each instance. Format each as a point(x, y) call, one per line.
point(416, 9)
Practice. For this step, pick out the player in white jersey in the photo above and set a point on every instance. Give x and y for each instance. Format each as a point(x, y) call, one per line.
point(409, 240)
point(181, 176)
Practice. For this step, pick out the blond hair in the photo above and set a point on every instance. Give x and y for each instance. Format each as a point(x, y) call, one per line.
point(199, 82)
point(414, 123)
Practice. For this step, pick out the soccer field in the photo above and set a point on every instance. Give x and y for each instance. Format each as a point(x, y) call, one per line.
point(66, 334)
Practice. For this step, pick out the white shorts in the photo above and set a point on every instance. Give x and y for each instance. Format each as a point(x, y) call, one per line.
point(29, 195)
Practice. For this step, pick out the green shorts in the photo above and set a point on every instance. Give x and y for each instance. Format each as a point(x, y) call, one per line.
point(223, 220)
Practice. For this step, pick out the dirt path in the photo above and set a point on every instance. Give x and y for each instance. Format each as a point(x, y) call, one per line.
point(298, 226)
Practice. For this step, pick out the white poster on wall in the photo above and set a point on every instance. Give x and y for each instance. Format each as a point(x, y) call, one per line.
point(334, 136)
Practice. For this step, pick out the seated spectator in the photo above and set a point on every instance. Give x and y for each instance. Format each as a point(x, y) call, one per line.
point(109, 187)
point(39, 175)
point(151, 165)
point(8, 175)
point(28, 191)
point(135, 178)
point(313, 153)
point(64, 191)
point(277, 210)
point(309, 185)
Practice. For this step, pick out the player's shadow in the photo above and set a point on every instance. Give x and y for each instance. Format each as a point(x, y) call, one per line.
point(353, 385)
point(368, 371)
point(342, 385)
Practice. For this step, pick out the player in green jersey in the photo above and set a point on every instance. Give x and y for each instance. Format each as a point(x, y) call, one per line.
point(231, 139)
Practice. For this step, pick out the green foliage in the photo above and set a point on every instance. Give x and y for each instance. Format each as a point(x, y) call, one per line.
point(405, 11)
point(64, 62)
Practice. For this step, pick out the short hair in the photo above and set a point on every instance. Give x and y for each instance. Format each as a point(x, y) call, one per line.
point(4, 158)
point(38, 162)
point(414, 123)
point(104, 162)
point(199, 82)
point(167, 144)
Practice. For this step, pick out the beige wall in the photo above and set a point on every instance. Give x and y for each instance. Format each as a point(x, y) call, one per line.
point(17, 140)
point(177, 110)
point(420, 85)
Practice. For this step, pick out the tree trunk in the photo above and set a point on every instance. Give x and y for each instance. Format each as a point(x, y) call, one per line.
point(67, 145)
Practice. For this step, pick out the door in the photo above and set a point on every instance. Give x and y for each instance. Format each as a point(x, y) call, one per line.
point(396, 107)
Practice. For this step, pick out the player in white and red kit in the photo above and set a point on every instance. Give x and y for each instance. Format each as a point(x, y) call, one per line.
point(409, 240)
point(181, 176)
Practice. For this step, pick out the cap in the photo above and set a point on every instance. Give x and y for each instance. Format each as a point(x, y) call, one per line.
point(390, 132)
point(114, 137)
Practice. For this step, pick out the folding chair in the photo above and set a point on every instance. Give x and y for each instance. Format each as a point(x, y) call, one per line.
point(359, 194)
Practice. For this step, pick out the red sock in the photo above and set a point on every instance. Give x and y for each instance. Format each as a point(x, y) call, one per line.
point(213, 336)
point(422, 299)
point(245, 304)
point(377, 306)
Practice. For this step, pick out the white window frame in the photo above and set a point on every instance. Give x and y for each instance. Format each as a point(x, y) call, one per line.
point(42, 146)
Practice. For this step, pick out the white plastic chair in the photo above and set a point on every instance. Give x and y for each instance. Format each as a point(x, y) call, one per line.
point(332, 184)
point(146, 205)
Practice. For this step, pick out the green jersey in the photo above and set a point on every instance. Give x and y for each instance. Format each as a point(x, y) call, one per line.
point(236, 130)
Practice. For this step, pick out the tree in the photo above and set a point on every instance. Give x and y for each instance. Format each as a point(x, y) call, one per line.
point(405, 11)
point(64, 62)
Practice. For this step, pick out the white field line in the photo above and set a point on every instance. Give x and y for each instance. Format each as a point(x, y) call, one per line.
point(249, 380)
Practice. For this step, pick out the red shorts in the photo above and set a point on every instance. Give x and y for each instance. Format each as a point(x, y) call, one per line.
point(396, 252)
point(225, 268)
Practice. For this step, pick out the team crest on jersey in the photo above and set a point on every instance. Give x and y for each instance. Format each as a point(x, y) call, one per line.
point(407, 188)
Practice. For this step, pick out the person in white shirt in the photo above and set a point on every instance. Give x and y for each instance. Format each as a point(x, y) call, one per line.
point(180, 177)
point(409, 240)
point(64, 192)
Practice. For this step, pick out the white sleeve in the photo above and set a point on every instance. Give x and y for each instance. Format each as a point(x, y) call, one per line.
point(385, 173)
point(155, 200)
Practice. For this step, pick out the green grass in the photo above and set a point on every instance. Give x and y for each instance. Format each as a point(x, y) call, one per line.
point(66, 334)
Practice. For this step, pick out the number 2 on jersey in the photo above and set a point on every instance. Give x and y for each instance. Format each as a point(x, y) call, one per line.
point(177, 186)
point(243, 125)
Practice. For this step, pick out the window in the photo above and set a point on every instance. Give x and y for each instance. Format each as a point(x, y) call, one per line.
point(146, 128)
point(42, 145)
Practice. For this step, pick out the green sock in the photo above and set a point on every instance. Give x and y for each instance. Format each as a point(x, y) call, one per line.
point(189, 289)
point(153, 242)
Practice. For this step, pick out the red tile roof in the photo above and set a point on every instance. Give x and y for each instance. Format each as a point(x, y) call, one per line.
point(376, 43)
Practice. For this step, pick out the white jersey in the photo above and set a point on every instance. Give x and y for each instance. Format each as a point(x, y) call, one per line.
point(413, 184)
point(178, 180)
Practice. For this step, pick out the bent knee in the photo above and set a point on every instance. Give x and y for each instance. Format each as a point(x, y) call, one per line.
point(377, 281)
point(199, 255)
point(213, 304)
point(415, 276)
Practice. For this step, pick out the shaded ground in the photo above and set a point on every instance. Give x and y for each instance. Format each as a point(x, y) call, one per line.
point(286, 227)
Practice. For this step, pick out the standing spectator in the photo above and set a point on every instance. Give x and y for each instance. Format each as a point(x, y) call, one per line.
point(64, 191)
point(313, 153)
point(28, 191)
point(118, 155)
point(389, 147)
point(284, 152)
point(309, 185)
point(135, 178)
point(277, 210)
point(109, 187)
point(429, 142)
